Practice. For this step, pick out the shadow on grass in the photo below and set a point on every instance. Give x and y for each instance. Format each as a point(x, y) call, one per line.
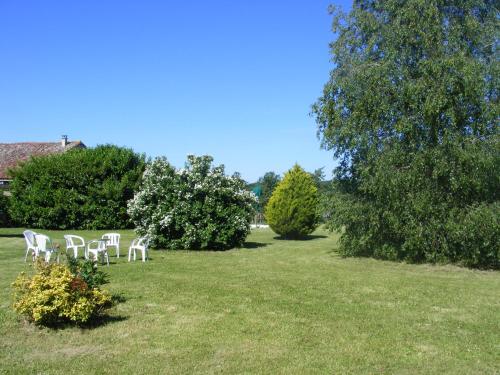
point(310, 237)
point(253, 245)
point(97, 322)
point(11, 235)
point(105, 319)
point(101, 321)
point(335, 251)
point(139, 258)
point(118, 298)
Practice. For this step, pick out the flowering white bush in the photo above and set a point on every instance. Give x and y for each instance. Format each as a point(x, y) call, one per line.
point(198, 207)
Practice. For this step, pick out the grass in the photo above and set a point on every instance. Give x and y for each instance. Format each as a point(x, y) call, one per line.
point(275, 306)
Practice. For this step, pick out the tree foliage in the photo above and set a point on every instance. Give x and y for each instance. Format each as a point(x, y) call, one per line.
point(267, 183)
point(411, 110)
point(79, 189)
point(5, 220)
point(197, 207)
point(319, 177)
point(292, 210)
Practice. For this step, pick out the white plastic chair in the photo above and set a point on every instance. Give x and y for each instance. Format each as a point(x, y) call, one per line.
point(113, 240)
point(44, 245)
point(74, 243)
point(29, 237)
point(139, 244)
point(100, 249)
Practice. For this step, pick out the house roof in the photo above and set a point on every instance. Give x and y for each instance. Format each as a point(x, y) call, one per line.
point(13, 153)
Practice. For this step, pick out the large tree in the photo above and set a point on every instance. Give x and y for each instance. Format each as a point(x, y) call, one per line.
point(411, 110)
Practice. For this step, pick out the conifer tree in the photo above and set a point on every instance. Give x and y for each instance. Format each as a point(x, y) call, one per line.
point(292, 210)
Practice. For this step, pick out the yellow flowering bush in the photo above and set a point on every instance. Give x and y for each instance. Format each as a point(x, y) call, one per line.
point(56, 295)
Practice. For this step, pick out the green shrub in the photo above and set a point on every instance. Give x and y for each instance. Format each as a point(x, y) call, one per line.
point(87, 271)
point(54, 295)
point(198, 207)
point(475, 236)
point(441, 207)
point(79, 189)
point(292, 210)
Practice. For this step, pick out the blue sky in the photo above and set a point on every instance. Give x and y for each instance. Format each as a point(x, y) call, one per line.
point(233, 79)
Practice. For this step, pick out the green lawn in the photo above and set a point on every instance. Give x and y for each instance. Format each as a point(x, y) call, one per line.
point(277, 307)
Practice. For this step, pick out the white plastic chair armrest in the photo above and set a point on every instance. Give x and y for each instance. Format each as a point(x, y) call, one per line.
point(79, 239)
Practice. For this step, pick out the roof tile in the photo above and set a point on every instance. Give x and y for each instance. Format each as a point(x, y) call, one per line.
point(13, 153)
